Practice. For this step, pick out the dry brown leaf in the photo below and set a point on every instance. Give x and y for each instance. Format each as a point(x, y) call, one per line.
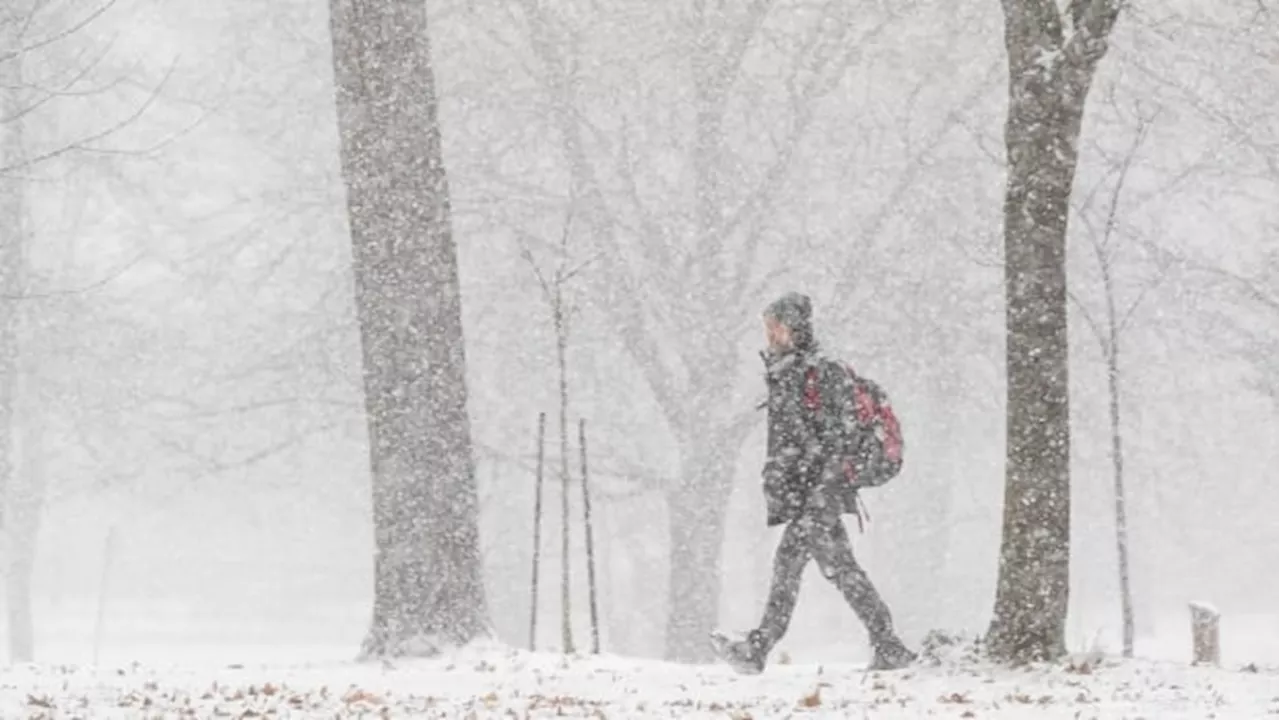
point(813, 699)
point(358, 695)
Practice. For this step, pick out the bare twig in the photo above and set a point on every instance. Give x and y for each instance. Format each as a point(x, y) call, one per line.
point(82, 145)
point(62, 34)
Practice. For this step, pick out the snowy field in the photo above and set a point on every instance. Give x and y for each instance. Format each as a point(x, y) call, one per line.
point(491, 681)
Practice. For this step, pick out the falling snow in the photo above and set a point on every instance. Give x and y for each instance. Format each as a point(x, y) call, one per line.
point(391, 357)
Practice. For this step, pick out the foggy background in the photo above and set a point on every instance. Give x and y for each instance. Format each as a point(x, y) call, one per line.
point(189, 361)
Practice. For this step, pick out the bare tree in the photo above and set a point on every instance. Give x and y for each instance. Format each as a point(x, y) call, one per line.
point(1108, 331)
point(428, 591)
point(561, 312)
point(48, 53)
point(1053, 55)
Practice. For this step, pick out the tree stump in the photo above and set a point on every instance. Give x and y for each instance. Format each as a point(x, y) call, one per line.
point(1205, 648)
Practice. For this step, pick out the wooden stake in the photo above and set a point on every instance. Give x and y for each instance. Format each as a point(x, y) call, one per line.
point(1205, 648)
point(591, 553)
point(108, 553)
point(537, 533)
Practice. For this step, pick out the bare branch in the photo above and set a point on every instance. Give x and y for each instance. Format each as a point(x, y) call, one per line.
point(622, 293)
point(571, 273)
point(82, 145)
point(1103, 345)
point(1142, 295)
point(48, 95)
point(915, 168)
point(652, 235)
point(91, 287)
point(211, 465)
point(527, 254)
point(739, 40)
point(64, 33)
point(827, 74)
point(1139, 136)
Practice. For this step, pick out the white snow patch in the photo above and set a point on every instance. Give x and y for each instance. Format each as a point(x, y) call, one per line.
point(1205, 607)
point(485, 682)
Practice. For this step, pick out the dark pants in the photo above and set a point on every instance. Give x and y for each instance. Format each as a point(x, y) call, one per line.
point(822, 537)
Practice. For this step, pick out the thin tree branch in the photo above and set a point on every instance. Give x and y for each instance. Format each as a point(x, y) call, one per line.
point(1103, 345)
point(65, 33)
point(82, 145)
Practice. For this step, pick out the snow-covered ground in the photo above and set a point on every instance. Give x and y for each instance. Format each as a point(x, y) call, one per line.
point(481, 682)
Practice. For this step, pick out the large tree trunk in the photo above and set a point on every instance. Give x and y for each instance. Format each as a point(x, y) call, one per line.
point(1049, 78)
point(428, 589)
point(696, 506)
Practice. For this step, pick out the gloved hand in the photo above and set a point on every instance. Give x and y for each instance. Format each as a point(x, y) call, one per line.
point(775, 494)
point(775, 480)
point(784, 496)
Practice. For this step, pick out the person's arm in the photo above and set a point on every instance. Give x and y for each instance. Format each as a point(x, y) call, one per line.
point(795, 449)
point(780, 471)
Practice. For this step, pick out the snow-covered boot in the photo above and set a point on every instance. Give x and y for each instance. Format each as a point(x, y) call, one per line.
point(892, 655)
point(744, 654)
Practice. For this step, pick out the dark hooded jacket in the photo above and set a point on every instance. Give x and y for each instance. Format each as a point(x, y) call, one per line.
point(803, 469)
point(808, 439)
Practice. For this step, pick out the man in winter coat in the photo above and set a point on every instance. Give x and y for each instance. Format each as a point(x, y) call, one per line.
point(806, 489)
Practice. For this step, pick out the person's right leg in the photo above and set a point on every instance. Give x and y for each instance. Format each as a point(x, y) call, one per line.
point(749, 654)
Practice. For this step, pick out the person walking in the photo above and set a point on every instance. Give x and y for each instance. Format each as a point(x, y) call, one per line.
point(830, 433)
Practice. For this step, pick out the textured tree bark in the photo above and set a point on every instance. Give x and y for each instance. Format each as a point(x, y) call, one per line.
point(696, 505)
point(428, 589)
point(1049, 77)
point(696, 532)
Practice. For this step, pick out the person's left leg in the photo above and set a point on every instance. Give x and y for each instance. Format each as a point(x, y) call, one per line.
point(830, 545)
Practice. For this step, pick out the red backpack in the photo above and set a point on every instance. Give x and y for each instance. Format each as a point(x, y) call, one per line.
point(871, 434)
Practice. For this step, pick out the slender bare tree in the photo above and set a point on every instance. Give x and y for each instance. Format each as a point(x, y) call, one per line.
point(1053, 55)
point(1102, 234)
point(428, 590)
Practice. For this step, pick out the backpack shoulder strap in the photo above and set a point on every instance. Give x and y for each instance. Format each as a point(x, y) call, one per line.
point(812, 396)
point(819, 378)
